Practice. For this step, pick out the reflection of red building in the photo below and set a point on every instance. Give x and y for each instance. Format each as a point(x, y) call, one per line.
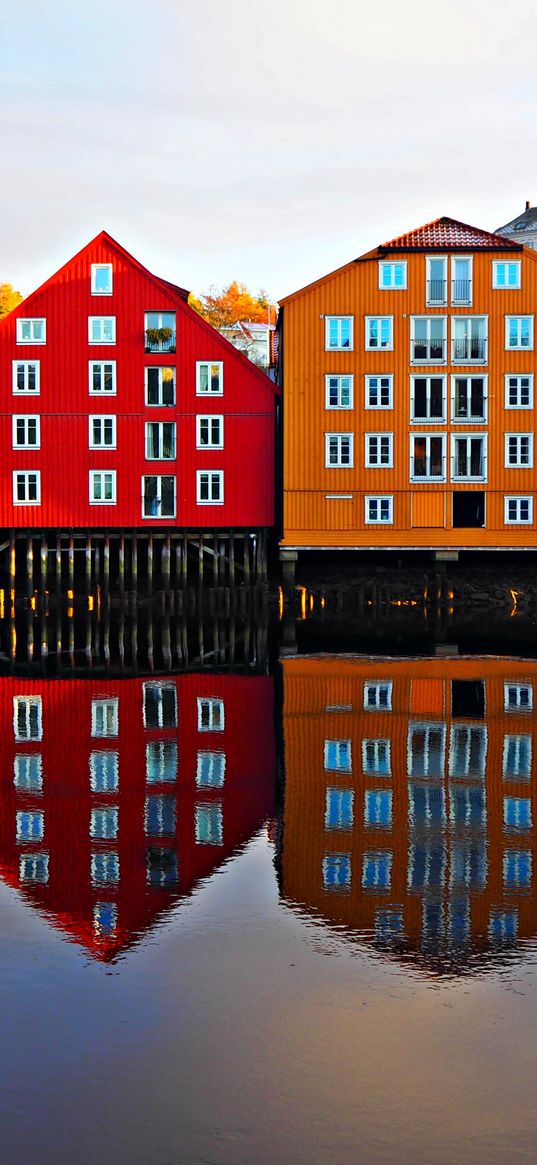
point(409, 802)
point(118, 796)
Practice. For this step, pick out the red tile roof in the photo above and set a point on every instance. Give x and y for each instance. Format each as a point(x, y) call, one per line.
point(446, 234)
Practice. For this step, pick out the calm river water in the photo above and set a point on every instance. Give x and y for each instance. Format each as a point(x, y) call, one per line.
point(263, 899)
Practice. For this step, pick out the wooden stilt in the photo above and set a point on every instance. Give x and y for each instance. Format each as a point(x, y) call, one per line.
point(232, 558)
point(184, 562)
point(30, 565)
point(58, 562)
point(106, 563)
point(200, 560)
point(134, 562)
point(97, 563)
point(88, 564)
point(122, 563)
point(150, 562)
point(216, 560)
point(71, 562)
point(12, 562)
point(44, 561)
point(246, 538)
point(166, 562)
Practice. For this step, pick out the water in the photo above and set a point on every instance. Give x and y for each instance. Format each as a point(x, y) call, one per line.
point(267, 910)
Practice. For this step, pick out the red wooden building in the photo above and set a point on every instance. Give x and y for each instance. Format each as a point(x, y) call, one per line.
point(122, 409)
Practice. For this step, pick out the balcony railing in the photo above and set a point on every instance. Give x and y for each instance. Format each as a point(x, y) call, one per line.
point(470, 349)
point(436, 291)
point(428, 351)
point(159, 343)
point(428, 468)
point(461, 291)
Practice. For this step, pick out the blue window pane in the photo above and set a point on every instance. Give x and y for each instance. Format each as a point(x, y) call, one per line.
point(469, 865)
point(517, 869)
point(339, 809)
point(160, 815)
point(161, 760)
point(426, 865)
point(30, 826)
point(105, 919)
point(426, 805)
point(517, 812)
point(389, 923)
point(162, 867)
point(378, 807)
point(337, 756)
point(337, 871)
point(503, 925)
point(377, 870)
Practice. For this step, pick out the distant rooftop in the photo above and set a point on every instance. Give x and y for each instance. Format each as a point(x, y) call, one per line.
point(447, 234)
point(527, 221)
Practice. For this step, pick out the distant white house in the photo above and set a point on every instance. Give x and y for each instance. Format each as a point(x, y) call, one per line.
point(522, 229)
point(256, 340)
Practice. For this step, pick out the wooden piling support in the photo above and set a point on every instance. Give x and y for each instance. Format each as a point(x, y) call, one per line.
point(134, 562)
point(71, 562)
point(106, 563)
point(122, 563)
point(58, 578)
point(12, 562)
point(166, 562)
point(30, 565)
point(246, 559)
point(200, 559)
point(88, 564)
point(232, 557)
point(150, 562)
point(44, 561)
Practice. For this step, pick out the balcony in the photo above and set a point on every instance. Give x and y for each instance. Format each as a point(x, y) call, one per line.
point(428, 351)
point(436, 291)
point(159, 340)
point(470, 350)
point(461, 291)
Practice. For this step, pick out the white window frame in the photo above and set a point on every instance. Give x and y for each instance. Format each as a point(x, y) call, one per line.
point(109, 707)
point(519, 377)
point(159, 687)
point(482, 420)
point(369, 521)
point(215, 760)
point(428, 360)
point(369, 347)
point(109, 876)
point(27, 702)
point(101, 319)
point(373, 376)
point(518, 347)
point(376, 685)
point(95, 268)
point(377, 743)
point(455, 437)
point(338, 793)
point(518, 521)
point(41, 320)
point(344, 866)
point(212, 475)
point(389, 265)
point(342, 748)
point(92, 443)
point(213, 812)
point(338, 437)
point(209, 417)
point(420, 436)
point(462, 361)
point(99, 815)
point(373, 799)
point(93, 475)
point(328, 320)
point(110, 754)
point(210, 391)
point(431, 302)
point(378, 438)
point(26, 418)
point(23, 763)
point(339, 390)
point(29, 864)
point(26, 474)
point(102, 364)
point(516, 738)
point(158, 754)
point(462, 736)
point(159, 476)
point(26, 364)
point(458, 301)
point(427, 420)
point(426, 728)
point(518, 464)
point(160, 403)
point(37, 819)
point(496, 264)
point(160, 424)
point(212, 703)
point(518, 687)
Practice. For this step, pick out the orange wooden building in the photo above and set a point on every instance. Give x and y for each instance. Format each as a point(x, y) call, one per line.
point(409, 803)
point(409, 410)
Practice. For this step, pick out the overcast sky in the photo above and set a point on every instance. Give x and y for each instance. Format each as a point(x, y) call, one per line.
point(268, 142)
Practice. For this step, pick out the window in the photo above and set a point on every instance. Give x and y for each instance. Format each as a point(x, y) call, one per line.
point(105, 717)
point(160, 441)
point(378, 697)
point(517, 697)
point(506, 274)
point(101, 279)
point(427, 458)
point(160, 386)
point(379, 392)
point(378, 807)
point(104, 868)
point(104, 823)
point(467, 750)
point(161, 761)
point(519, 392)
point(378, 511)
point(104, 919)
point(209, 378)
point(31, 331)
point(379, 450)
point(160, 815)
point(427, 398)
point(339, 392)
point(469, 339)
point(461, 281)
point(210, 714)
point(377, 870)
point(517, 869)
point(337, 872)
point(27, 488)
point(378, 333)
point(339, 811)
point(468, 399)
point(428, 340)
point(102, 487)
point(28, 772)
point(160, 331)
point(160, 705)
point(518, 511)
point(102, 377)
point(519, 332)
point(210, 487)
point(158, 497)
point(27, 718)
point(102, 432)
point(339, 450)
point(210, 432)
point(104, 772)
point(26, 377)
point(426, 865)
point(101, 329)
point(436, 276)
point(376, 758)
point(517, 813)
point(339, 333)
point(30, 825)
point(519, 450)
point(426, 749)
point(469, 866)
point(26, 432)
point(426, 806)
point(209, 824)
point(34, 867)
point(469, 458)
point(210, 769)
point(503, 925)
point(162, 866)
point(338, 756)
point(389, 925)
point(392, 276)
point(517, 757)
point(468, 699)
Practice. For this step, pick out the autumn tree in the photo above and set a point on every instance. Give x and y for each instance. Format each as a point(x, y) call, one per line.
point(9, 298)
point(222, 307)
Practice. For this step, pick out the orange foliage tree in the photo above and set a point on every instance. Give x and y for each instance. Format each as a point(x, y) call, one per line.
point(222, 307)
point(9, 298)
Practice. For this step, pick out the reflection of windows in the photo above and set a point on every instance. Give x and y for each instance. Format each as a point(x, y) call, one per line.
point(376, 758)
point(104, 823)
point(517, 756)
point(161, 867)
point(210, 714)
point(105, 717)
point(337, 872)
point(389, 923)
point(426, 749)
point(517, 868)
point(210, 770)
point(160, 811)
point(160, 705)
point(378, 807)
point(503, 925)
point(426, 864)
point(469, 863)
point(377, 870)
point(28, 771)
point(339, 812)
point(468, 699)
point(209, 824)
point(517, 697)
point(30, 825)
point(160, 761)
point(104, 772)
point(27, 718)
point(104, 868)
point(432, 920)
point(426, 805)
point(33, 867)
point(338, 756)
point(467, 804)
point(467, 750)
point(378, 697)
point(517, 813)
point(105, 919)
point(459, 921)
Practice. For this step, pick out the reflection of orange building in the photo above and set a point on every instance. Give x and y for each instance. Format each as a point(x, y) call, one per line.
point(117, 797)
point(409, 802)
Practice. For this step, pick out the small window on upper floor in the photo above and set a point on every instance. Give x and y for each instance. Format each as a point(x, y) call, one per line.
point(339, 392)
point(160, 333)
point(519, 333)
point(102, 377)
point(378, 333)
point(392, 276)
point(209, 378)
point(160, 386)
point(26, 432)
point(519, 392)
point(26, 377)
point(506, 274)
point(339, 333)
point(101, 329)
point(518, 511)
point(436, 285)
point(101, 279)
point(32, 331)
point(379, 392)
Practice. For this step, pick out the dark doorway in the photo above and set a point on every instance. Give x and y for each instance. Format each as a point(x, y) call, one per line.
point(468, 699)
point(468, 509)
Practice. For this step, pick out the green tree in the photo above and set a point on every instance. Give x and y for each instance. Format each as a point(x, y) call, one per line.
point(9, 298)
